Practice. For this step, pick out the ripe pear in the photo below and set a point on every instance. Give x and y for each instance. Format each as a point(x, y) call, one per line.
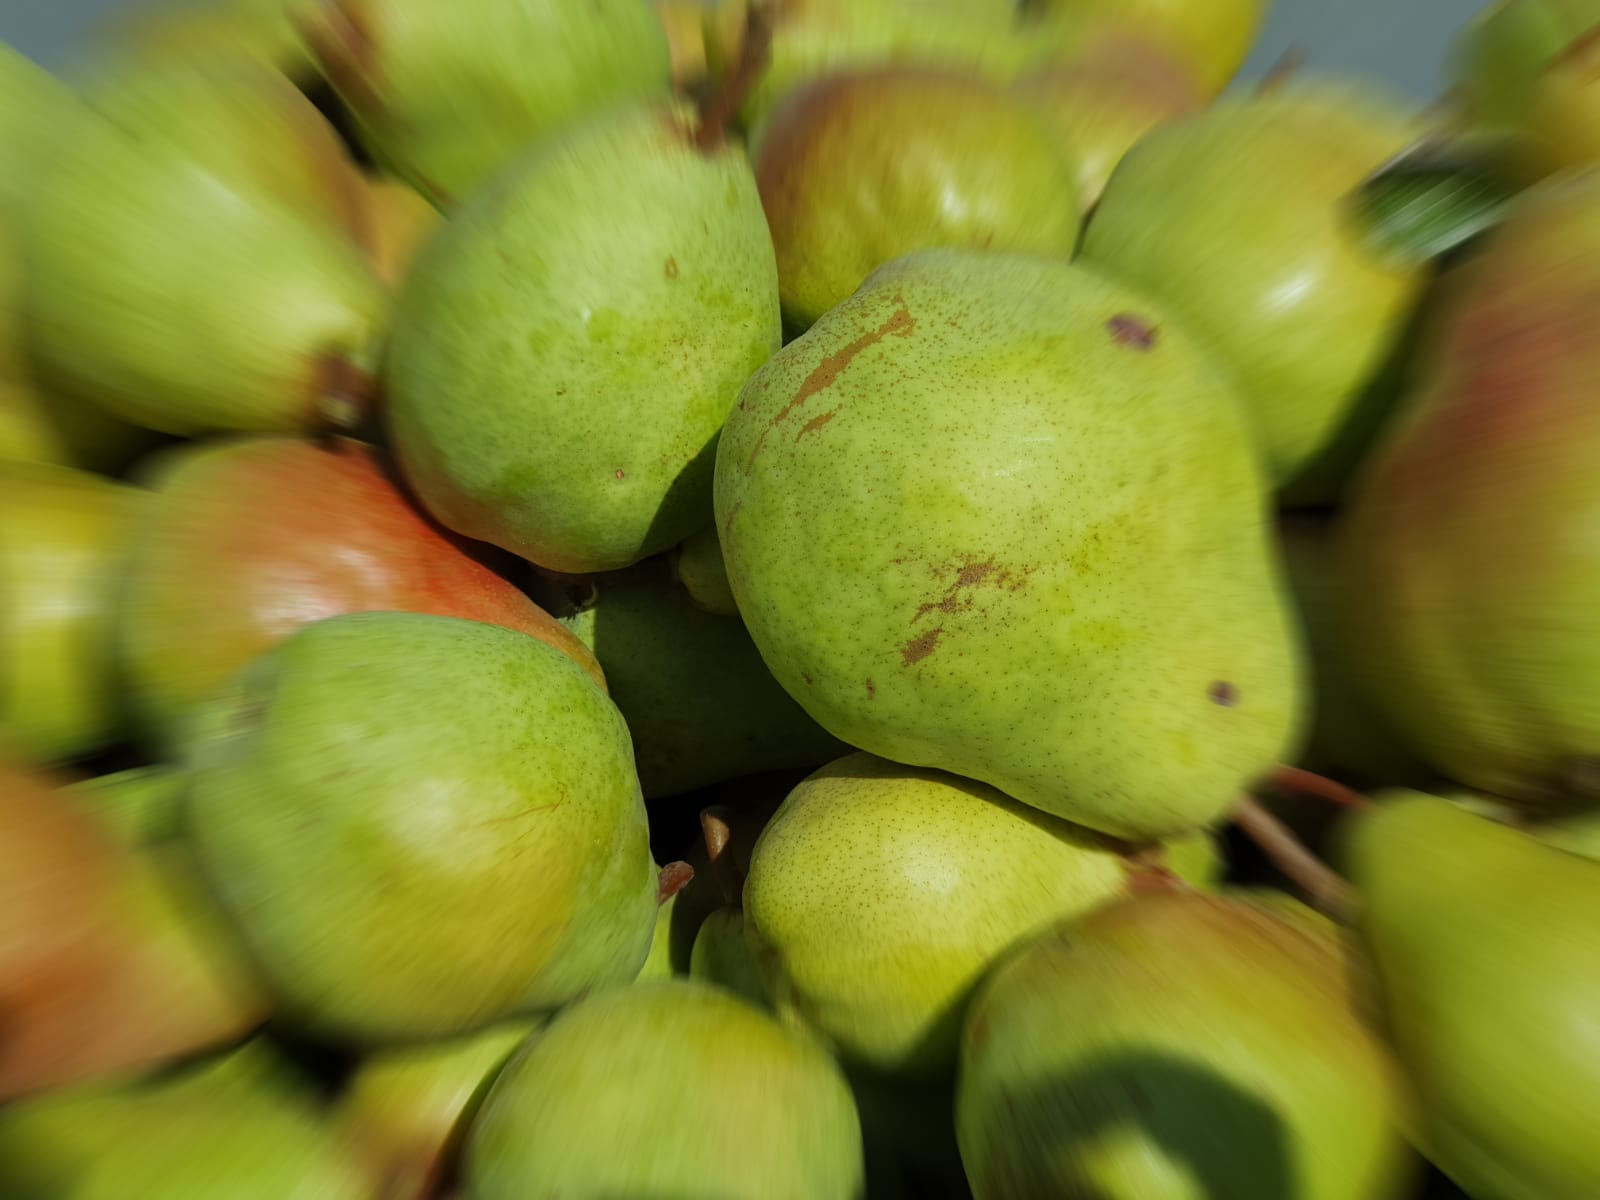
point(1502, 52)
point(111, 960)
point(947, 159)
point(700, 704)
point(62, 534)
point(879, 894)
point(1213, 37)
point(1563, 111)
point(1179, 1046)
point(423, 825)
point(1104, 97)
point(1489, 961)
point(406, 1111)
point(402, 221)
point(194, 255)
point(447, 95)
point(698, 566)
point(665, 1091)
point(140, 807)
point(1466, 550)
point(1262, 259)
point(570, 343)
point(239, 1129)
point(246, 540)
point(1124, 666)
point(1348, 737)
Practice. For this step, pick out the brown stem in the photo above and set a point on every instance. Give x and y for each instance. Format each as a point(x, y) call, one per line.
point(1309, 783)
point(674, 877)
point(1285, 69)
point(718, 833)
point(755, 49)
point(1322, 886)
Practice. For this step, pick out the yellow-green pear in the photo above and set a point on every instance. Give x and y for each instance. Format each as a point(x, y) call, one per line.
point(1263, 259)
point(569, 344)
point(62, 534)
point(405, 1112)
point(1179, 1046)
point(195, 260)
point(447, 95)
point(422, 825)
point(1559, 128)
point(665, 1091)
point(946, 159)
point(927, 510)
point(140, 807)
point(1489, 960)
point(1500, 55)
point(698, 566)
point(879, 894)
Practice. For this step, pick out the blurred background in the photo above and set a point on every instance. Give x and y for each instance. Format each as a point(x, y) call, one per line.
point(1399, 41)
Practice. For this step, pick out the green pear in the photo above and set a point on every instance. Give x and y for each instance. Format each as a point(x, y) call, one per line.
point(1348, 737)
point(141, 807)
point(406, 1110)
point(1179, 1046)
point(879, 894)
point(1212, 37)
point(61, 539)
point(697, 564)
point(231, 1128)
point(244, 540)
point(723, 957)
point(423, 825)
point(667, 1091)
point(112, 958)
point(818, 38)
point(190, 30)
point(447, 95)
point(1128, 667)
point(1502, 52)
point(1105, 96)
point(1465, 549)
point(948, 159)
point(1485, 947)
point(36, 426)
point(700, 704)
point(194, 259)
point(570, 343)
point(1261, 258)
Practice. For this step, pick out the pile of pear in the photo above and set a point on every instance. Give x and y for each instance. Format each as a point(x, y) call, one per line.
point(816, 599)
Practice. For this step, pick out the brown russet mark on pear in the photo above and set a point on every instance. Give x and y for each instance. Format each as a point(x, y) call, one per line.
point(672, 268)
point(1130, 330)
point(1223, 693)
point(919, 648)
point(816, 423)
point(971, 575)
point(872, 690)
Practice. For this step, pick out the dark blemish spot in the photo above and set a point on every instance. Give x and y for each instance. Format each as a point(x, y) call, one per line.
point(815, 424)
point(872, 690)
point(918, 649)
point(1137, 1094)
point(1129, 330)
point(620, 473)
point(672, 268)
point(1223, 693)
point(810, 682)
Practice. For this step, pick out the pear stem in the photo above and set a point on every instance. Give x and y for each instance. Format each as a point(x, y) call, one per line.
point(755, 49)
point(1323, 887)
point(1309, 783)
point(715, 829)
point(674, 877)
point(1286, 68)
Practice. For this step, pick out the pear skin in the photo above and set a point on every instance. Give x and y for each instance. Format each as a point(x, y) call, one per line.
point(402, 222)
point(698, 566)
point(406, 1111)
point(114, 960)
point(247, 540)
point(879, 894)
point(947, 159)
point(445, 96)
point(422, 825)
point(1213, 37)
point(1466, 548)
point(1178, 1046)
point(723, 956)
point(62, 537)
point(1560, 127)
point(570, 343)
point(1504, 49)
point(1490, 970)
point(195, 255)
point(1035, 633)
point(700, 704)
point(1260, 260)
point(140, 807)
point(666, 1091)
